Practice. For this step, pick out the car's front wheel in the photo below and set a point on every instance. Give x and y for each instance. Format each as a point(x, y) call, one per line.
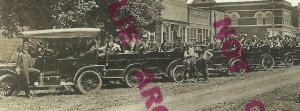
point(237, 67)
point(9, 85)
point(178, 73)
point(267, 62)
point(89, 82)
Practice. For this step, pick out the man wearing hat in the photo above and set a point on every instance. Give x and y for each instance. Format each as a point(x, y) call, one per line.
point(24, 67)
point(255, 41)
point(140, 45)
point(190, 56)
point(205, 56)
point(152, 45)
point(178, 45)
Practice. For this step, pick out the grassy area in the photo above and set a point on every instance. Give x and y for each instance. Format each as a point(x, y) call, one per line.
point(7, 46)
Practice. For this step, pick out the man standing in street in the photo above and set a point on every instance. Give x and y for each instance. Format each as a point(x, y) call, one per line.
point(24, 68)
point(205, 56)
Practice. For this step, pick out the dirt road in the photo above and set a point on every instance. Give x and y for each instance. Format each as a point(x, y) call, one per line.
point(202, 98)
point(216, 95)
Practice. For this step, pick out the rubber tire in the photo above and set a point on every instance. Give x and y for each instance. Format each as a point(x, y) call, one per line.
point(126, 80)
point(15, 91)
point(80, 87)
point(273, 64)
point(232, 64)
point(286, 59)
point(173, 74)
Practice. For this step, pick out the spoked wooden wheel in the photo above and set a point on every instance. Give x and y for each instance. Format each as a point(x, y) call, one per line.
point(131, 80)
point(9, 85)
point(267, 62)
point(237, 67)
point(89, 82)
point(178, 73)
point(289, 60)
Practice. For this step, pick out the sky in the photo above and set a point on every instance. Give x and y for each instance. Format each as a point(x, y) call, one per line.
point(294, 2)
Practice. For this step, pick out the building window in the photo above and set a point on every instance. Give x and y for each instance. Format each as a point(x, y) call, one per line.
point(199, 34)
point(260, 19)
point(269, 19)
point(285, 19)
point(289, 20)
point(192, 35)
point(234, 18)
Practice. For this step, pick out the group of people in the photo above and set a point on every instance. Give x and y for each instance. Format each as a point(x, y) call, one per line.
point(247, 42)
point(145, 45)
point(113, 46)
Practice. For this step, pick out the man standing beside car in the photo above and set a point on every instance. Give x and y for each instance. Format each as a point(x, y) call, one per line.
point(24, 68)
point(205, 56)
point(190, 55)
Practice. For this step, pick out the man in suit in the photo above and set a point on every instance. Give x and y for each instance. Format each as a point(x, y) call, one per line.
point(24, 67)
point(152, 45)
point(140, 45)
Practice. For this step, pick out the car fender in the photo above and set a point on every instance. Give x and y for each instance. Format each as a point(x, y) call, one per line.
point(263, 55)
point(289, 53)
point(86, 68)
point(134, 65)
point(8, 71)
point(231, 60)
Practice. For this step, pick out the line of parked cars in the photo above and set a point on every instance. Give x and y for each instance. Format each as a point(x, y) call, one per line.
point(87, 74)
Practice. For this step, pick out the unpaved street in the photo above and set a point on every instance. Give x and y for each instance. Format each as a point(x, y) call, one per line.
point(219, 94)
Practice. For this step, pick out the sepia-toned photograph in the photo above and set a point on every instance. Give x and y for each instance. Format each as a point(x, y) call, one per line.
point(149, 55)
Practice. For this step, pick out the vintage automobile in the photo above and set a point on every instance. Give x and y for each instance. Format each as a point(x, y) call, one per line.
point(283, 55)
point(162, 63)
point(297, 54)
point(259, 57)
point(219, 64)
point(63, 67)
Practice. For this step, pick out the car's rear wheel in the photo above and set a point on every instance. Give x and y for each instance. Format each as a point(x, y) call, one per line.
point(289, 60)
point(9, 85)
point(130, 79)
point(267, 62)
point(89, 82)
point(178, 73)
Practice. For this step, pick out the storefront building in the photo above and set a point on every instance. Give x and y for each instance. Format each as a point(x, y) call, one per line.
point(175, 22)
point(256, 17)
point(199, 29)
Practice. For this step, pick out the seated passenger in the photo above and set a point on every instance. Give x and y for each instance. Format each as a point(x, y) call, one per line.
point(255, 41)
point(65, 51)
point(107, 48)
point(165, 45)
point(178, 45)
point(115, 48)
point(140, 46)
point(152, 44)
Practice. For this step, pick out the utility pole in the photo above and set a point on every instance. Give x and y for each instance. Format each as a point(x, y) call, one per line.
point(273, 19)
